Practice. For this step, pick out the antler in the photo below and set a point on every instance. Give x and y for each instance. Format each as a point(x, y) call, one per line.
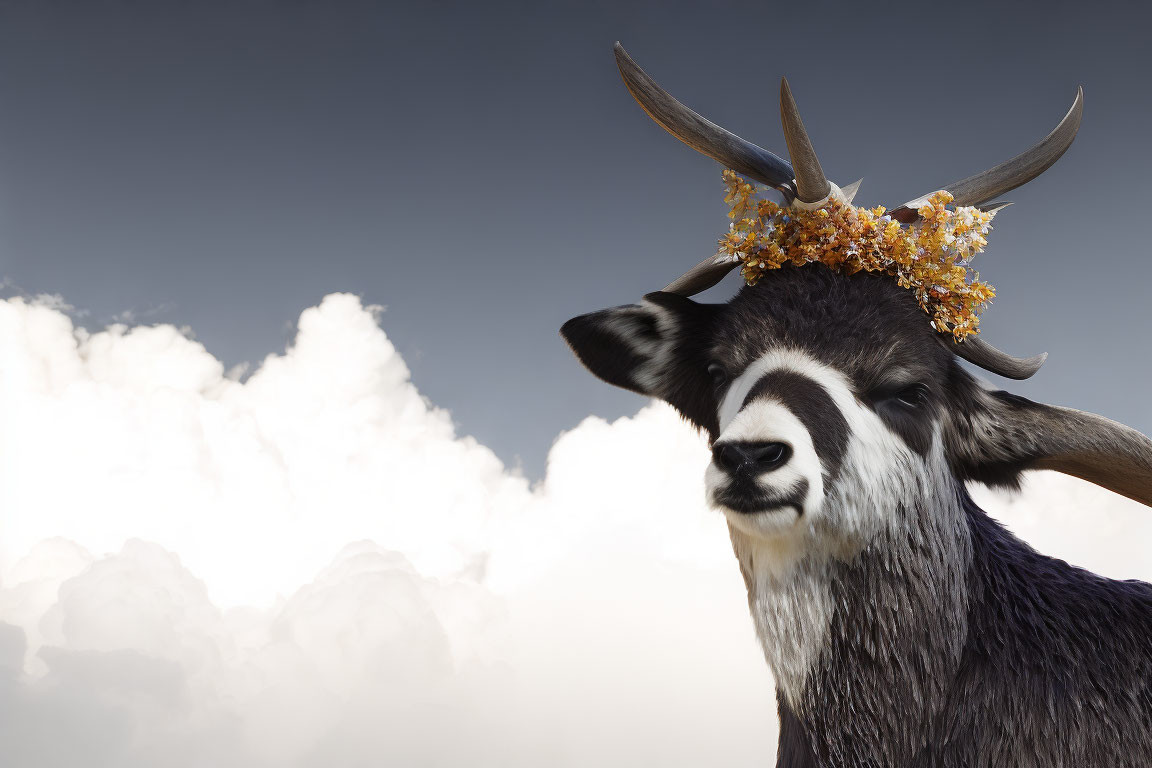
point(804, 181)
point(807, 182)
point(979, 189)
point(1005, 434)
point(701, 277)
point(811, 184)
point(979, 352)
point(701, 134)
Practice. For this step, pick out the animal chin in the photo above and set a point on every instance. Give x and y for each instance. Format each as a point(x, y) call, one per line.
point(745, 503)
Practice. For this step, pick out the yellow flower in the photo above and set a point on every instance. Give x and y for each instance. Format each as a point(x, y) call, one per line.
point(922, 258)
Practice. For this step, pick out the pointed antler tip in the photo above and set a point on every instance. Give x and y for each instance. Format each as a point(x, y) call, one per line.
point(811, 183)
point(987, 185)
point(980, 353)
point(699, 133)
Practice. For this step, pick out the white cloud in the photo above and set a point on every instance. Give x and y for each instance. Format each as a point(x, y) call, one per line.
point(311, 568)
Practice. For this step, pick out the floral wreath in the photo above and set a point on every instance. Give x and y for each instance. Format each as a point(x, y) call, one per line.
point(930, 257)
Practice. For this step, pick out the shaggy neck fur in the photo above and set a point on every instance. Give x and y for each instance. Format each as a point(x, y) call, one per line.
point(863, 636)
point(863, 643)
point(949, 642)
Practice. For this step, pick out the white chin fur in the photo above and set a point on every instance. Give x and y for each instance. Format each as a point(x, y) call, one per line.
point(785, 557)
point(772, 522)
point(782, 522)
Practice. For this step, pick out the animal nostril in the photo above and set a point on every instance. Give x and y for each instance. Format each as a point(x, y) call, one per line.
point(770, 455)
point(747, 456)
point(727, 456)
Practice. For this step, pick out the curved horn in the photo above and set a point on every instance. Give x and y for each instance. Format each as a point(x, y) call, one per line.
point(1004, 434)
point(981, 353)
point(811, 185)
point(1096, 449)
point(701, 277)
point(1010, 174)
point(701, 134)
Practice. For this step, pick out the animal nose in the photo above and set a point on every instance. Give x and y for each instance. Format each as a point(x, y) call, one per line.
point(754, 457)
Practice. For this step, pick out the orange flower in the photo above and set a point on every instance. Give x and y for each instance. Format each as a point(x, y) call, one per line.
point(929, 259)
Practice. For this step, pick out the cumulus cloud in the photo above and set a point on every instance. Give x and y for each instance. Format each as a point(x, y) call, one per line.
point(310, 567)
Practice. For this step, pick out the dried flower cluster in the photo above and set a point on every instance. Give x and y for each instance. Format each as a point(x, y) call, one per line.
point(930, 258)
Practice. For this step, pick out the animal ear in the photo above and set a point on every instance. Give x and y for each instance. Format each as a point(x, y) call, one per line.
point(658, 348)
point(1005, 434)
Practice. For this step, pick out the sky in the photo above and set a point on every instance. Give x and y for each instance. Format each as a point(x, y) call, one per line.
point(295, 468)
point(479, 170)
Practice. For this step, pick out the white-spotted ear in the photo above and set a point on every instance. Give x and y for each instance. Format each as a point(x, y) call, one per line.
point(1005, 434)
point(658, 348)
point(630, 346)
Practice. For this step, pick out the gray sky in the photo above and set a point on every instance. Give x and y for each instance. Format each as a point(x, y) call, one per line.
point(481, 171)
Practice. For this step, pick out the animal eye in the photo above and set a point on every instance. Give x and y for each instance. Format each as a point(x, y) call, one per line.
point(718, 374)
point(912, 396)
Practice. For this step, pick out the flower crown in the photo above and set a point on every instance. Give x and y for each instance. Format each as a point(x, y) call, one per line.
point(930, 258)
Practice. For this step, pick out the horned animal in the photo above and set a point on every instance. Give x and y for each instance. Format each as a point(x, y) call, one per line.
point(902, 624)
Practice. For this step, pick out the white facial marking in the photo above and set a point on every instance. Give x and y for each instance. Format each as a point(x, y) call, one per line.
point(768, 421)
point(787, 560)
point(786, 360)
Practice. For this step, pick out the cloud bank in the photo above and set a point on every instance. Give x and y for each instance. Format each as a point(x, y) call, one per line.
point(311, 568)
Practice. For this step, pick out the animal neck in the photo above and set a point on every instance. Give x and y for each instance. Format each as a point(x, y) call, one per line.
point(863, 638)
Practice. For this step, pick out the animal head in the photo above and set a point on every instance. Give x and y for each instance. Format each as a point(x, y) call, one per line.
point(830, 402)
